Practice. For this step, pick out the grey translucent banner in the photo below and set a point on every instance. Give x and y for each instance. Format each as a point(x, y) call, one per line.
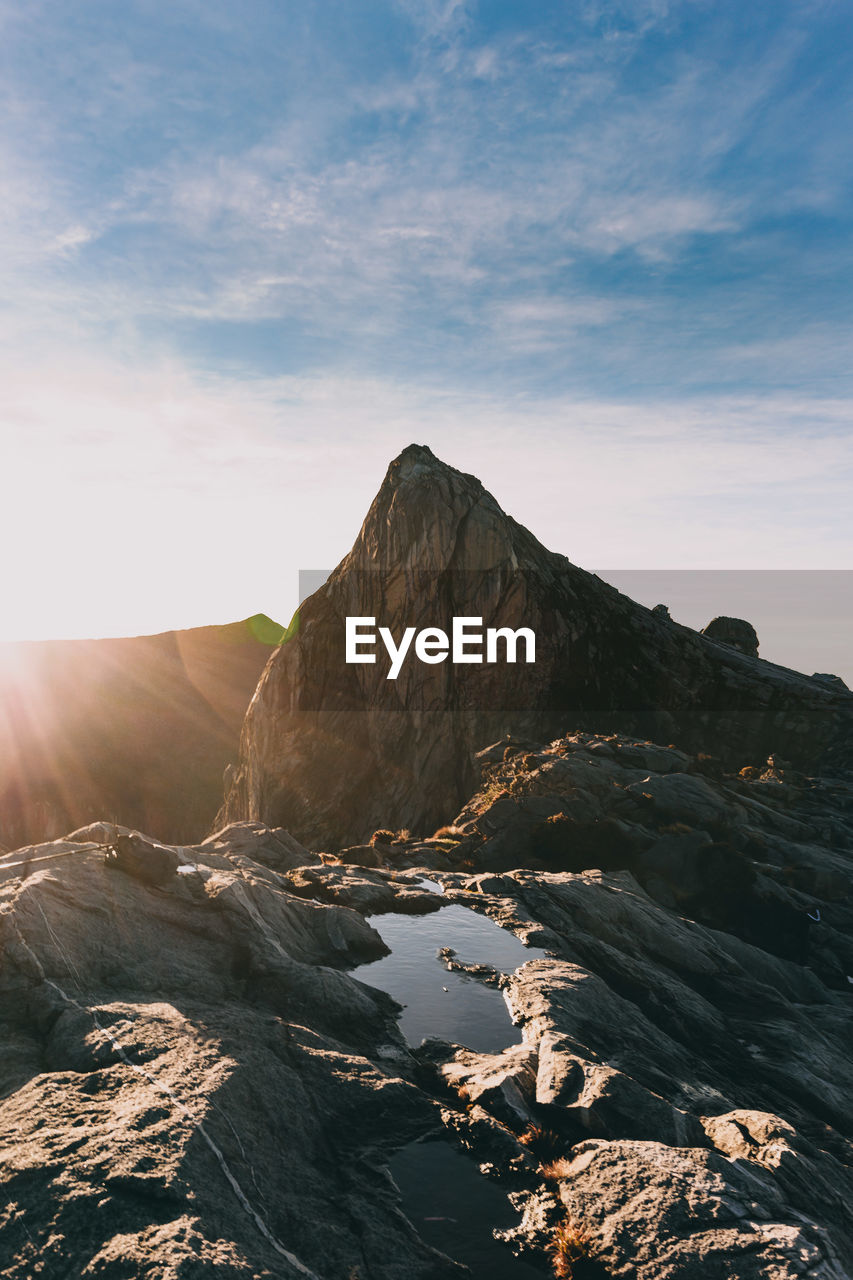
point(803, 617)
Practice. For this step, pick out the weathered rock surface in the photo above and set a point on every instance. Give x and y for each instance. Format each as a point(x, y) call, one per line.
point(760, 856)
point(659, 1211)
point(191, 1085)
point(686, 1048)
point(372, 892)
point(332, 751)
point(689, 1041)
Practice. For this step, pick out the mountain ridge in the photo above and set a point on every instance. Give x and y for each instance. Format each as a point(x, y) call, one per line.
point(137, 728)
point(435, 544)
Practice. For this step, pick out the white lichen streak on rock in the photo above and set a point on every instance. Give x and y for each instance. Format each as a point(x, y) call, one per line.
point(197, 1124)
point(167, 1092)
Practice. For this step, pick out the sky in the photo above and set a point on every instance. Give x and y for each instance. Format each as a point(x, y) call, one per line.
point(598, 254)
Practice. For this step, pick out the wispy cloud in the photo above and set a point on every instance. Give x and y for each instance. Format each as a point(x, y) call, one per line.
point(614, 232)
point(434, 194)
point(437, 19)
point(474, 187)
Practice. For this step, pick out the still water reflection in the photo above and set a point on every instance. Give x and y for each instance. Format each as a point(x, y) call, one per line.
point(439, 1002)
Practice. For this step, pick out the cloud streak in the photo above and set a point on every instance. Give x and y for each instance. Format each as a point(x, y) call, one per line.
point(598, 254)
point(528, 164)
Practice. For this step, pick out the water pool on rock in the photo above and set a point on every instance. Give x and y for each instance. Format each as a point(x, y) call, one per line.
point(437, 1001)
point(455, 1209)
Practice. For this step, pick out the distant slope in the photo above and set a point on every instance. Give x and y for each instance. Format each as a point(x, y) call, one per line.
point(139, 729)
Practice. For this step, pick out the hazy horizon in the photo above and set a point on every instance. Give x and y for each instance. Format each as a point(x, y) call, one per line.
point(804, 619)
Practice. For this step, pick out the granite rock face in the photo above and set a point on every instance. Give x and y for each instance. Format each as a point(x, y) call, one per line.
point(193, 1084)
point(332, 751)
point(686, 1044)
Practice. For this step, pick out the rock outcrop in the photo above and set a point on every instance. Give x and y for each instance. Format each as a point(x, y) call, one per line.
point(191, 1083)
point(138, 729)
point(327, 745)
point(685, 1069)
point(194, 1082)
point(737, 632)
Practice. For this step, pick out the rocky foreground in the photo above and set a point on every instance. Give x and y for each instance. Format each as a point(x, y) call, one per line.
point(196, 1084)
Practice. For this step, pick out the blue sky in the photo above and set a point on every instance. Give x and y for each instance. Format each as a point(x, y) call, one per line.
point(599, 254)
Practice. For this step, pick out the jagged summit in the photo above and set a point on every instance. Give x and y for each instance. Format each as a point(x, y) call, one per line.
point(332, 751)
point(429, 516)
point(417, 458)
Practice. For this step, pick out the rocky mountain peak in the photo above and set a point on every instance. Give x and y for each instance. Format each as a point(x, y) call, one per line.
point(324, 738)
point(417, 458)
point(429, 517)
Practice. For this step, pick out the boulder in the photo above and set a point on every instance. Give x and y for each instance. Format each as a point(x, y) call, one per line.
point(274, 847)
point(835, 682)
point(650, 1211)
point(738, 633)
